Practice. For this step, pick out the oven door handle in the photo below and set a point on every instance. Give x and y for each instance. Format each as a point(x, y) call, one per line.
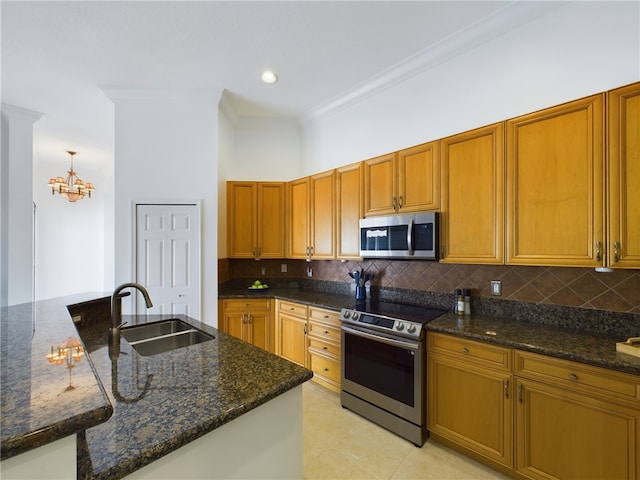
point(377, 338)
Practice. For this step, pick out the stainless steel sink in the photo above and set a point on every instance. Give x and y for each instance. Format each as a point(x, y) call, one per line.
point(158, 337)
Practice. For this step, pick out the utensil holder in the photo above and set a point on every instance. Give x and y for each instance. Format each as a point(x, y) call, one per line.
point(361, 292)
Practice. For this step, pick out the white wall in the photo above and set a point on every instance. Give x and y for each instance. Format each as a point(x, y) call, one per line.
point(166, 150)
point(71, 254)
point(573, 51)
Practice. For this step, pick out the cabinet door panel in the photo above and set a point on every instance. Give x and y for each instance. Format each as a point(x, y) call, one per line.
point(472, 220)
point(260, 331)
point(349, 210)
point(380, 185)
point(555, 181)
point(234, 324)
point(293, 339)
point(471, 407)
point(419, 178)
point(564, 435)
point(241, 235)
point(323, 197)
point(624, 177)
point(271, 228)
point(298, 203)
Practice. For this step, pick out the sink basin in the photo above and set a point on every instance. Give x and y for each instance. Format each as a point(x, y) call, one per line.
point(158, 337)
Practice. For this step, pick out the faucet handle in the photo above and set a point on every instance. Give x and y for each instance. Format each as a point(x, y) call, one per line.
point(122, 324)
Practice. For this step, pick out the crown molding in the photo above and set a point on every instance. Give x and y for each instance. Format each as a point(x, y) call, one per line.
point(504, 20)
point(156, 95)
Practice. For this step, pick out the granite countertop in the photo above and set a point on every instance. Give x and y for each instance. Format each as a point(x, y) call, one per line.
point(572, 338)
point(580, 346)
point(164, 401)
point(37, 407)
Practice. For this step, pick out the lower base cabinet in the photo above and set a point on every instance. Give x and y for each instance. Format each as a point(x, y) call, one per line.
point(531, 415)
point(325, 347)
point(291, 331)
point(250, 320)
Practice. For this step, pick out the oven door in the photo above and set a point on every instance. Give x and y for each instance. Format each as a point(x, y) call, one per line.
point(385, 371)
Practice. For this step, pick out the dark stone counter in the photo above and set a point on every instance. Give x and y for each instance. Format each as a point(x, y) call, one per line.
point(164, 401)
point(37, 405)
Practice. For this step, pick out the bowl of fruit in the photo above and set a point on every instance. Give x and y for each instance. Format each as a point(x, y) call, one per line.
point(258, 286)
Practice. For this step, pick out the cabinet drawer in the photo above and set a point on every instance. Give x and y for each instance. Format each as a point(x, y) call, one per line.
point(326, 316)
point(471, 351)
point(325, 366)
point(594, 381)
point(242, 305)
point(325, 347)
point(319, 330)
point(293, 309)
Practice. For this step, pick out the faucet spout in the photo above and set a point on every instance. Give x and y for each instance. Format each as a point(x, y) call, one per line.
point(114, 331)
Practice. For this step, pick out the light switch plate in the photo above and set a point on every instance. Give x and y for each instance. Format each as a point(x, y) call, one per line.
point(496, 287)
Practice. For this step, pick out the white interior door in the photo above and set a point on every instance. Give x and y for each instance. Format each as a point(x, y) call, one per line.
point(168, 258)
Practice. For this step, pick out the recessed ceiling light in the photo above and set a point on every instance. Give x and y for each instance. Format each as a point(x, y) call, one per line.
point(269, 77)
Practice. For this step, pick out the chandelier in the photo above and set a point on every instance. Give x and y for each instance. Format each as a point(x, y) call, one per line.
point(71, 188)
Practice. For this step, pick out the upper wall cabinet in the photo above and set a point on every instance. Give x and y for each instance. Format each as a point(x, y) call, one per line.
point(555, 186)
point(405, 181)
point(349, 210)
point(624, 177)
point(311, 203)
point(255, 222)
point(472, 213)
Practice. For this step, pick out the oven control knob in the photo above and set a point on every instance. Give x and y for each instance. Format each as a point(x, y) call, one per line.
point(399, 326)
point(347, 314)
point(411, 328)
point(355, 315)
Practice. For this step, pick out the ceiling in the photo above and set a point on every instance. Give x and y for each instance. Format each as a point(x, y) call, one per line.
point(57, 55)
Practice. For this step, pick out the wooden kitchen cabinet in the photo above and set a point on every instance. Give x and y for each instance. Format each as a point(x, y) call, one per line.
point(623, 163)
point(403, 182)
point(349, 210)
point(325, 347)
point(555, 186)
point(575, 421)
point(473, 185)
point(250, 320)
point(291, 328)
point(256, 220)
point(311, 202)
point(469, 399)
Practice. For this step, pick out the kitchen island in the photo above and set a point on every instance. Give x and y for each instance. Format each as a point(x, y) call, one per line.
point(221, 407)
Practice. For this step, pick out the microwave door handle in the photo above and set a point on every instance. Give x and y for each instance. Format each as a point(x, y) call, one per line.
point(410, 237)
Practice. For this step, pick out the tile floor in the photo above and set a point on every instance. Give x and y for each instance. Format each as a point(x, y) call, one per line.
point(339, 444)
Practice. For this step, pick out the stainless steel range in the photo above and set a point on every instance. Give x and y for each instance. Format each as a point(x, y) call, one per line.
point(384, 365)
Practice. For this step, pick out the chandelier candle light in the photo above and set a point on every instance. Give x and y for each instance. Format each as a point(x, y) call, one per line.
point(71, 188)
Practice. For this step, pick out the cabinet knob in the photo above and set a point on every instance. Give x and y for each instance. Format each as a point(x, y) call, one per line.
point(573, 376)
point(598, 251)
point(465, 350)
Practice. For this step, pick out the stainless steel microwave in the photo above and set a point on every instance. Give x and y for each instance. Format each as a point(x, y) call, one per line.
point(404, 236)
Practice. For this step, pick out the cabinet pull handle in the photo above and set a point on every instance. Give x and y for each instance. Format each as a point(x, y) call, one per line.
point(465, 350)
point(244, 318)
point(400, 202)
point(616, 251)
point(305, 328)
point(249, 318)
point(573, 376)
point(598, 251)
point(324, 348)
point(326, 332)
point(326, 369)
point(393, 202)
point(506, 389)
point(520, 392)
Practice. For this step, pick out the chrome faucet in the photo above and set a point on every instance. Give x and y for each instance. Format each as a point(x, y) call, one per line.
point(114, 331)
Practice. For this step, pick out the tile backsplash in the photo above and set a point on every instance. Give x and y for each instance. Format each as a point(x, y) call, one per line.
point(574, 287)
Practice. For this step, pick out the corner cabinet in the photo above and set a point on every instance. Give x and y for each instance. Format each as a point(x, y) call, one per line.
point(555, 186)
point(256, 220)
point(250, 320)
point(624, 176)
point(470, 389)
point(472, 213)
point(403, 182)
point(311, 213)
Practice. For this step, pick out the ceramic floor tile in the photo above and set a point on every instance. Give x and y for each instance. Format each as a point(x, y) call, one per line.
point(340, 444)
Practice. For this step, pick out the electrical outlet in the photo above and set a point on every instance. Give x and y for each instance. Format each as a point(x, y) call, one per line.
point(263, 271)
point(309, 272)
point(283, 268)
point(496, 287)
